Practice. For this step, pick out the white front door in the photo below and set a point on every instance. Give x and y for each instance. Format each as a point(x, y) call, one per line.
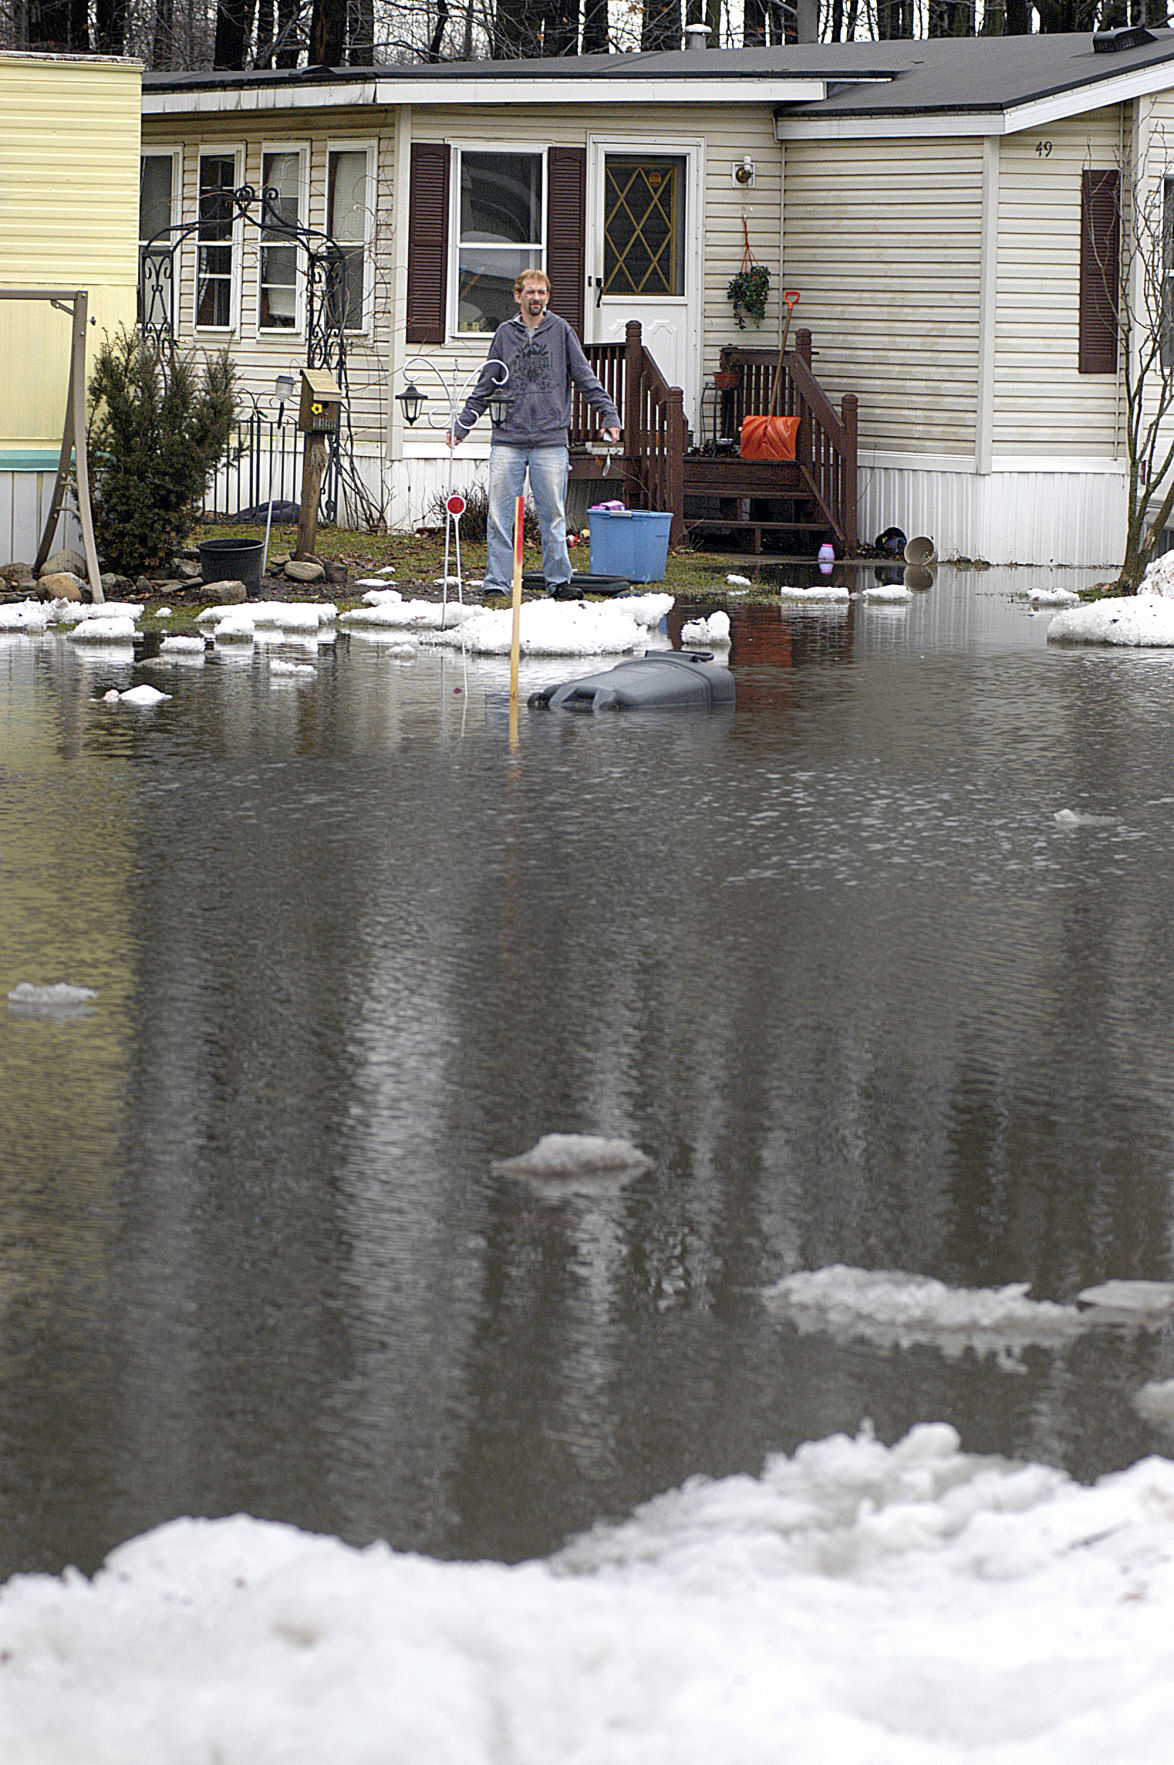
point(644, 237)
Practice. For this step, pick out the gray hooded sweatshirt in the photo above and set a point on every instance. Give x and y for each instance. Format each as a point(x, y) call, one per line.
point(544, 364)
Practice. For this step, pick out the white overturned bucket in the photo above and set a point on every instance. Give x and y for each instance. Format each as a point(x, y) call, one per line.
point(921, 552)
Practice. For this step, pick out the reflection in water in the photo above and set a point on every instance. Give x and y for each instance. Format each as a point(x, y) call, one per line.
point(834, 963)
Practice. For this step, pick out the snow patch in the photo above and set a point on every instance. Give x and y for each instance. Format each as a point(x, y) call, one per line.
point(1129, 621)
point(905, 1605)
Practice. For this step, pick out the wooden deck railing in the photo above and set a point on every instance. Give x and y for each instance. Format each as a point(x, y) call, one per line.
point(825, 445)
point(652, 412)
point(656, 435)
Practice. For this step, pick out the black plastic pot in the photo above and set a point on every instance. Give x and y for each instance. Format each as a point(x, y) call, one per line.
point(233, 560)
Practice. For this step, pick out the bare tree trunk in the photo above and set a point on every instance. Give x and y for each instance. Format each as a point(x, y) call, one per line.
point(595, 37)
point(234, 31)
point(327, 33)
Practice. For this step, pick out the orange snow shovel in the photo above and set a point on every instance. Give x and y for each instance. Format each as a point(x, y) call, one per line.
point(773, 437)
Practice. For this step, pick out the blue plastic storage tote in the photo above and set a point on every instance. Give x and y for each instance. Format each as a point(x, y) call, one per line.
point(629, 542)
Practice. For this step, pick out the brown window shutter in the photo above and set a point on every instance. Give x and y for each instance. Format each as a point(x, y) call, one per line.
point(1100, 270)
point(566, 223)
point(428, 243)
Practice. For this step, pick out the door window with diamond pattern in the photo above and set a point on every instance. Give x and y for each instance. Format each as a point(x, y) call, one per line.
point(643, 226)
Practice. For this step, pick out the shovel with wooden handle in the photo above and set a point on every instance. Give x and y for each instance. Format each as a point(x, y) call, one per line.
point(773, 437)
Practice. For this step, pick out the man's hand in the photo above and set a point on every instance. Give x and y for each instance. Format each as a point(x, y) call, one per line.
point(452, 439)
point(611, 435)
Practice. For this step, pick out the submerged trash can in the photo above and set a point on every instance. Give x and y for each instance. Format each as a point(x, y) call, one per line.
point(629, 542)
point(660, 680)
point(233, 560)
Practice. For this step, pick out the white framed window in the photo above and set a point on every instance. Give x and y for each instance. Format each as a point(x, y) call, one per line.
point(217, 239)
point(350, 213)
point(499, 230)
point(279, 259)
point(159, 188)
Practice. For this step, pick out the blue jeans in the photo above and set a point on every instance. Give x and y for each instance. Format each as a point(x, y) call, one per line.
point(508, 467)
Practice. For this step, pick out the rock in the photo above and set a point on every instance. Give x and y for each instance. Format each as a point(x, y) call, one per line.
point(62, 585)
point(68, 560)
point(114, 586)
point(144, 585)
point(305, 570)
point(280, 561)
point(224, 594)
point(185, 569)
point(336, 573)
point(20, 578)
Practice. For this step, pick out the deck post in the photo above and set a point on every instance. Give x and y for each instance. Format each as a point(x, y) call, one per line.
point(849, 416)
point(675, 464)
point(633, 353)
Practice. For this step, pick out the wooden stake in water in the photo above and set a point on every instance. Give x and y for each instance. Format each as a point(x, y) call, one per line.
point(516, 638)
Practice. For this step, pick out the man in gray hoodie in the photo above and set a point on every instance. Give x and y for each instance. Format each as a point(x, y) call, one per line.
point(545, 359)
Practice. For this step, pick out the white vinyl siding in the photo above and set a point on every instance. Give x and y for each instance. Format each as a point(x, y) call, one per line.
point(883, 243)
point(1043, 405)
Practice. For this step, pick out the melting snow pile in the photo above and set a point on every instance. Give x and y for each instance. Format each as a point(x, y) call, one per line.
point(855, 1603)
point(271, 621)
point(546, 627)
point(1129, 621)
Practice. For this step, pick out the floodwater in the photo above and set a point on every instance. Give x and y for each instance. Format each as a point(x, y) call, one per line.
point(831, 961)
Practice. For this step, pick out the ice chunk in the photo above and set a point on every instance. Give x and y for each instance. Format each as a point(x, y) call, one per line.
point(113, 628)
point(819, 593)
point(140, 695)
point(893, 592)
point(565, 1157)
point(892, 1308)
point(1155, 1402)
point(59, 1000)
point(714, 630)
point(1140, 1301)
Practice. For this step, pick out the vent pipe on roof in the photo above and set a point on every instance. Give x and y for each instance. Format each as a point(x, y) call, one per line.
point(697, 36)
point(1124, 37)
point(807, 21)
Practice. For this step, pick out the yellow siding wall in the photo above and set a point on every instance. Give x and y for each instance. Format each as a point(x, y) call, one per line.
point(69, 191)
point(883, 243)
point(1042, 403)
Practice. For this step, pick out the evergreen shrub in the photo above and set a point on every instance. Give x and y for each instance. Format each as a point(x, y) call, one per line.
point(155, 439)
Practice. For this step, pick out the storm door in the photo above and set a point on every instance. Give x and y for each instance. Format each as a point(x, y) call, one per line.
point(643, 253)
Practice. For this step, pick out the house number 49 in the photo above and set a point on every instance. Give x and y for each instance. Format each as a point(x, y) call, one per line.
point(1043, 149)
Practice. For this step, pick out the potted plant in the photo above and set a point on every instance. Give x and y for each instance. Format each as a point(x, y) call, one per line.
point(748, 290)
